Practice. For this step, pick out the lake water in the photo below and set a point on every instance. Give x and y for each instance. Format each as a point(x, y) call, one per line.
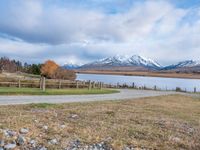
point(150, 82)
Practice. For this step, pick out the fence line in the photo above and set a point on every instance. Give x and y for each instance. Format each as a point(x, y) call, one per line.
point(62, 84)
point(52, 83)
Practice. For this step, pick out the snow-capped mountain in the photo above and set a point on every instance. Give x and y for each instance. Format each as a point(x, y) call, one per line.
point(183, 64)
point(124, 61)
point(133, 63)
point(71, 66)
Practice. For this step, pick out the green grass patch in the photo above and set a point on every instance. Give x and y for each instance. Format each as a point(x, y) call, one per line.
point(42, 105)
point(35, 91)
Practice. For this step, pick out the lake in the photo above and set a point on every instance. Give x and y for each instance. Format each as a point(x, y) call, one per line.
point(149, 82)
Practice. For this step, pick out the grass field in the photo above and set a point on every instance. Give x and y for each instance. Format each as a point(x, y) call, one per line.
point(164, 122)
point(36, 91)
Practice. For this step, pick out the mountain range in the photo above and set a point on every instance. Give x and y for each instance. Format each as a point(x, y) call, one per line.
point(134, 63)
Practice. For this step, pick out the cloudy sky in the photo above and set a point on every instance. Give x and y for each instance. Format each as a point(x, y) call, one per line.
point(80, 31)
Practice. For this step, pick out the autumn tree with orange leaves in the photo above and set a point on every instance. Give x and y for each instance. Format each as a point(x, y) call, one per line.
point(52, 70)
point(49, 68)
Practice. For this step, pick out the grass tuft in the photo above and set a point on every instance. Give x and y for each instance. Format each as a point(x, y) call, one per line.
point(43, 105)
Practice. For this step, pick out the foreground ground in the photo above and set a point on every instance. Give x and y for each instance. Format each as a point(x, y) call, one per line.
point(163, 122)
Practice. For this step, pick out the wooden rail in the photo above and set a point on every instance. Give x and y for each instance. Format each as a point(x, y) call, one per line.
point(50, 83)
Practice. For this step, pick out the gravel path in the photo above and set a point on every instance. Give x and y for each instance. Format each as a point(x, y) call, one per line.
point(124, 94)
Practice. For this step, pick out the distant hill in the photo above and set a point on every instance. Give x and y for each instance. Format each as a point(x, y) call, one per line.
point(184, 66)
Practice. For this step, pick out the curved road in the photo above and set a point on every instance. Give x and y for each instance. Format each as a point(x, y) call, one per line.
point(122, 95)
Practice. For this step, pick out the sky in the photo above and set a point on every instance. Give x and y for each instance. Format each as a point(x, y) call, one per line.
point(81, 31)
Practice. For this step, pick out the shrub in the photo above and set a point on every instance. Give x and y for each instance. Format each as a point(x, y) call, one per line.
point(65, 74)
point(51, 70)
point(178, 89)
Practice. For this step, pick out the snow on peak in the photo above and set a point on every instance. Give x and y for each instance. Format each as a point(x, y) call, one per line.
point(71, 66)
point(127, 61)
point(188, 63)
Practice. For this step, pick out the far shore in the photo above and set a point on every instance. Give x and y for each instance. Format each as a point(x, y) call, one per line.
point(143, 73)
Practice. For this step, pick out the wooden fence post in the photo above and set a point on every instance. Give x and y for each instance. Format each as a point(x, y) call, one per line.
point(43, 84)
point(195, 89)
point(60, 84)
point(40, 83)
point(117, 84)
point(19, 83)
point(77, 84)
point(93, 85)
point(133, 85)
point(89, 85)
point(101, 85)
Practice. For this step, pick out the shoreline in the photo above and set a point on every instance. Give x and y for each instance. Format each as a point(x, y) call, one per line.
point(144, 74)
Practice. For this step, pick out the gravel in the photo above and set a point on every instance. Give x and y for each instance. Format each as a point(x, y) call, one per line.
point(2, 143)
point(53, 142)
point(45, 127)
point(10, 146)
point(20, 140)
point(24, 130)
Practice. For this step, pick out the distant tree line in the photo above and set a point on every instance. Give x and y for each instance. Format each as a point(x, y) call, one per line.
point(49, 69)
point(12, 65)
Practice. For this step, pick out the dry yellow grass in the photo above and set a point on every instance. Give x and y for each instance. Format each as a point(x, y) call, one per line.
point(165, 122)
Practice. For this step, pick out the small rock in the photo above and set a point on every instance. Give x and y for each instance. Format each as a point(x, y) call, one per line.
point(45, 127)
point(33, 143)
point(10, 133)
point(175, 139)
point(62, 126)
point(53, 142)
point(108, 139)
point(36, 121)
point(23, 130)
point(74, 116)
point(100, 146)
point(1, 143)
point(42, 148)
point(20, 140)
point(128, 148)
point(190, 131)
point(10, 146)
point(74, 145)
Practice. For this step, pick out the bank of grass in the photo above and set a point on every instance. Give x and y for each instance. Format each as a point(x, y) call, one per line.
point(36, 91)
point(164, 122)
